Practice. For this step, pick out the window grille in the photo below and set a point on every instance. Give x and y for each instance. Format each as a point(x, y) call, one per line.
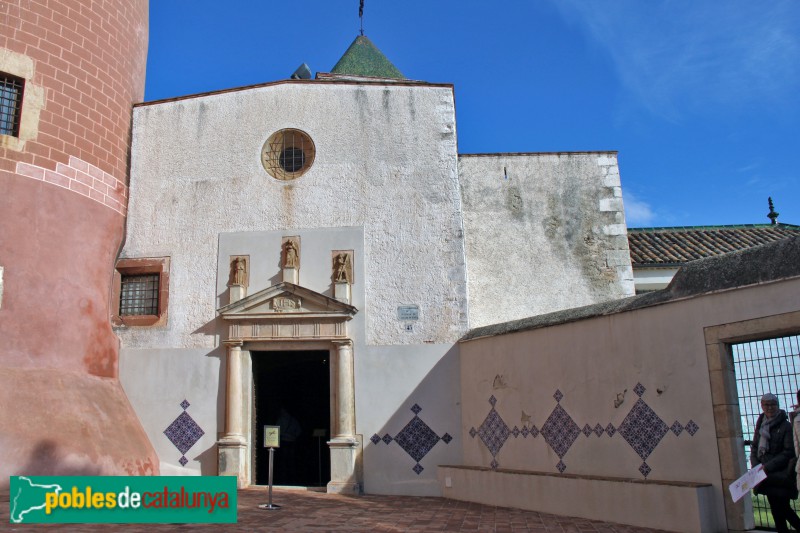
point(288, 154)
point(139, 295)
point(761, 366)
point(10, 103)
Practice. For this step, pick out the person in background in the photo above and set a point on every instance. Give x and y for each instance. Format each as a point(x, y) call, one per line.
point(773, 448)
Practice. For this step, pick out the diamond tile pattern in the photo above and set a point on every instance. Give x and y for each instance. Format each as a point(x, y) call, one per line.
point(560, 431)
point(643, 429)
point(493, 432)
point(183, 433)
point(417, 438)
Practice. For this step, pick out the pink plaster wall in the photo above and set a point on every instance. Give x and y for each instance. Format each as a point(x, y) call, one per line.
point(63, 201)
point(594, 360)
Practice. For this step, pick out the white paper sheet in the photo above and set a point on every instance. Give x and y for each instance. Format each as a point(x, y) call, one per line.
point(744, 484)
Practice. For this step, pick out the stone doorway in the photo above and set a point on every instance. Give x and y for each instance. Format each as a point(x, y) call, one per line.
point(292, 389)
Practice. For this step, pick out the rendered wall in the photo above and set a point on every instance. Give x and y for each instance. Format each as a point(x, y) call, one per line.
point(385, 160)
point(544, 232)
point(62, 212)
point(610, 376)
point(383, 184)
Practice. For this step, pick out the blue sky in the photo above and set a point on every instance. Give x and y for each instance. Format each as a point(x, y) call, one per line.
point(701, 98)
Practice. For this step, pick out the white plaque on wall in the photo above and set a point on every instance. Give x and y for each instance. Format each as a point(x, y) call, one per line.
point(408, 312)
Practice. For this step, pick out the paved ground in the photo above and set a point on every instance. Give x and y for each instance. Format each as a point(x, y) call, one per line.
point(318, 512)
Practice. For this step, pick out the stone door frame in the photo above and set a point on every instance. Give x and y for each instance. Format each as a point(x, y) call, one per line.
point(287, 317)
point(725, 401)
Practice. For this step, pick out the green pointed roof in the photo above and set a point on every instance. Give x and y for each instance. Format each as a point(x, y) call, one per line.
point(364, 59)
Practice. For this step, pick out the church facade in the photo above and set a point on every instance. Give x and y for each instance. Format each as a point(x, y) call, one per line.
point(305, 254)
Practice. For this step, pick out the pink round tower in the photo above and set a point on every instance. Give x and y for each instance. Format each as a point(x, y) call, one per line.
point(69, 74)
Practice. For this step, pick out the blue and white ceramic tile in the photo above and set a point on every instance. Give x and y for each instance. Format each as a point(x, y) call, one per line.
point(184, 433)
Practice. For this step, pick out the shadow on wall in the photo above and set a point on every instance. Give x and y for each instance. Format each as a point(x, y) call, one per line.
point(208, 461)
point(422, 433)
point(46, 460)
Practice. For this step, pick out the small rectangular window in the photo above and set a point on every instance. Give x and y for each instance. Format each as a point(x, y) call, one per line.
point(11, 88)
point(139, 295)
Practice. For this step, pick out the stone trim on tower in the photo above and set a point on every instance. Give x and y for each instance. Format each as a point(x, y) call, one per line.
point(82, 178)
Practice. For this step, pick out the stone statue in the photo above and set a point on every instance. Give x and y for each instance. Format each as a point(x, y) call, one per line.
point(341, 273)
point(291, 257)
point(238, 271)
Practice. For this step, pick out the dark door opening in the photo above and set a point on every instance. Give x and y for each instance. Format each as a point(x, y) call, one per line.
point(292, 390)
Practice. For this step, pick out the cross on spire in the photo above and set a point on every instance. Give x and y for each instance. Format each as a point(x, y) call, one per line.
point(361, 15)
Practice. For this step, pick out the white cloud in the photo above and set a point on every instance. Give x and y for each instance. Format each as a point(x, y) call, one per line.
point(674, 54)
point(637, 212)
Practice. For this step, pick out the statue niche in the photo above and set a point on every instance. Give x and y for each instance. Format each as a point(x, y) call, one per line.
point(342, 267)
point(238, 273)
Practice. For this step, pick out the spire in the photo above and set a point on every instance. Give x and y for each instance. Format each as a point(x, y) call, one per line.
point(364, 59)
point(772, 215)
point(361, 15)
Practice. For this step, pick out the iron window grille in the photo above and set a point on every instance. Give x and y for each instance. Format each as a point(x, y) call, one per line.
point(11, 88)
point(139, 295)
point(288, 154)
point(761, 366)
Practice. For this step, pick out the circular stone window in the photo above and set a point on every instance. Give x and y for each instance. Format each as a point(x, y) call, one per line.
point(288, 154)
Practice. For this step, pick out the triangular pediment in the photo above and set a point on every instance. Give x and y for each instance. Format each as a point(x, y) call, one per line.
point(286, 300)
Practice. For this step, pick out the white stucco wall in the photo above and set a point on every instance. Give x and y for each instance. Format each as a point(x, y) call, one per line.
point(544, 232)
point(385, 161)
point(156, 381)
point(384, 184)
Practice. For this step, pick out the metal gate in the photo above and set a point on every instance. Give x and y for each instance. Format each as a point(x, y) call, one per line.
point(761, 366)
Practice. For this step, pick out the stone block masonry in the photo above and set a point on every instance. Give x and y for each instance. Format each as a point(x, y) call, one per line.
point(82, 178)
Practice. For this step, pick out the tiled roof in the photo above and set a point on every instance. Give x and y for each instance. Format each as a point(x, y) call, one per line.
point(364, 59)
point(675, 246)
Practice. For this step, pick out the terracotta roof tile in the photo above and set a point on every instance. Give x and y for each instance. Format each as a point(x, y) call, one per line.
point(674, 246)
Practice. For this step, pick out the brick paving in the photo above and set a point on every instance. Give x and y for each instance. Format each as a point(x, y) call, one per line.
point(319, 512)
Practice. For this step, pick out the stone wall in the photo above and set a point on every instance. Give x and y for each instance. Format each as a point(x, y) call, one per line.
point(544, 232)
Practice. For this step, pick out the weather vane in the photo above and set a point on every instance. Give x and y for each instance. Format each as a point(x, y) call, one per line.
point(361, 15)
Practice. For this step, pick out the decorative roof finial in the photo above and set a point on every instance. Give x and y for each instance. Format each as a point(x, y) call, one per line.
point(772, 215)
point(361, 15)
